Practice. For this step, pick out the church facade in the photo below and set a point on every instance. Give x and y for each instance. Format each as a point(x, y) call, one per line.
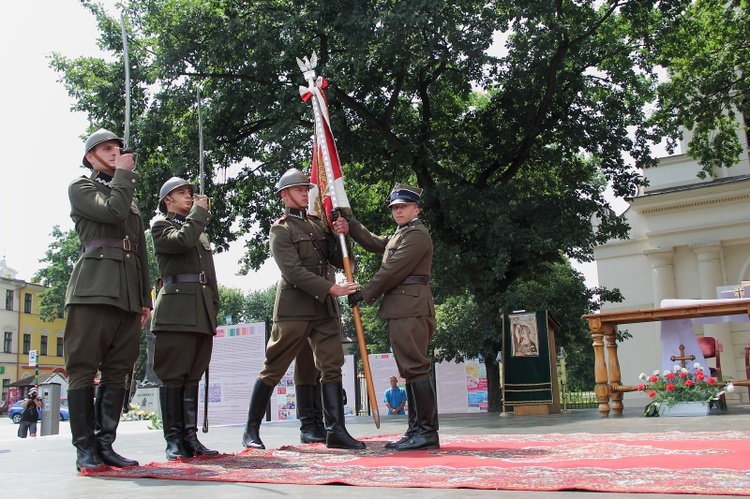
point(689, 239)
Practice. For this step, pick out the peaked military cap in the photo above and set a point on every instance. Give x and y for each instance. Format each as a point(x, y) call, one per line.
point(402, 194)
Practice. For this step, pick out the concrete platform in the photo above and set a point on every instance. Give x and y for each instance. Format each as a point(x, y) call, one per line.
point(45, 466)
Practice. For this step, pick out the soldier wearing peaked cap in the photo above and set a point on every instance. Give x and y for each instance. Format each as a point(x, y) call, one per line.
point(404, 283)
point(306, 310)
point(108, 298)
point(185, 311)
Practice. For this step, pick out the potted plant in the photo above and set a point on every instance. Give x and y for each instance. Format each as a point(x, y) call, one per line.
point(681, 391)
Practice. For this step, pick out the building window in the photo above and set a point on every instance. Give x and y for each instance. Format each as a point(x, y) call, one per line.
point(26, 343)
point(59, 347)
point(8, 299)
point(8, 342)
point(43, 346)
point(27, 303)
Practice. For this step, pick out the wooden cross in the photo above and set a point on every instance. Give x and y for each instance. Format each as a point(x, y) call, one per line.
point(682, 358)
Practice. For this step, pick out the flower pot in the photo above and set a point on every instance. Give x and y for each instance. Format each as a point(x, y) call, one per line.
point(684, 409)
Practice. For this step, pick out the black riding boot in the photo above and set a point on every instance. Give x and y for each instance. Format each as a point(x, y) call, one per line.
point(170, 398)
point(190, 433)
point(109, 400)
point(81, 409)
point(255, 415)
point(306, 413)
point(412, 429)
point(425, 402)
point(333, 410)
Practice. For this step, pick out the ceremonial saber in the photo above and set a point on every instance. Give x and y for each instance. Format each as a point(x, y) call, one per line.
point(307, 68)
point(202, 188)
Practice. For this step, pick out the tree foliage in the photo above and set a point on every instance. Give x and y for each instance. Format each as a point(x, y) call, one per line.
point(60, 257)
point(707, 57)
point(513, 116)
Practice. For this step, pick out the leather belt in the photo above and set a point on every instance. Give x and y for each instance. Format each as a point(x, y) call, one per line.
point(321, 270)
point(123, 244)
point(417, 279)
point(171, 279)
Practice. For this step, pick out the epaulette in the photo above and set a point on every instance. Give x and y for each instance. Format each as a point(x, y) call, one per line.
point(282, 218)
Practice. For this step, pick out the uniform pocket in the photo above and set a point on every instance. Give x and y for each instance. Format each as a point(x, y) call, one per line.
point(175, 305)
point(99, 274)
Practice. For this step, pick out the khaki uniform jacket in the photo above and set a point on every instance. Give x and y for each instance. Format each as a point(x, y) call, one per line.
point(304, 251)
point(406, 253)
point(109, 276)
point(185, 249)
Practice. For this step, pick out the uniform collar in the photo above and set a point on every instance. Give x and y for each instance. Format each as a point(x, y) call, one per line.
point(176, 218)
point(408, 224)
point(102, 178)
point(294, 212)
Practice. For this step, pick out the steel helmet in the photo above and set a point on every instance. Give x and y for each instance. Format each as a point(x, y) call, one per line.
point(170, 185)
point(97, 138)
point(291, 178)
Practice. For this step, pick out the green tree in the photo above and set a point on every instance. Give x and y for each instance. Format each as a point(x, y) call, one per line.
point(60, 257)
point(259, 304)
point(514, 149)
point(232, 305)
point(707, 58)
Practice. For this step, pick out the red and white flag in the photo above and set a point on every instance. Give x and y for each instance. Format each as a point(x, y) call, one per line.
point(328, 191)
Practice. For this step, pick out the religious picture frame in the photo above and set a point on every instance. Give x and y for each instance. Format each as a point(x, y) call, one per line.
point(524, 335)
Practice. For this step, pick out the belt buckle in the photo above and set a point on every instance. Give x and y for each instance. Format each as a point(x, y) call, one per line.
point(202, 278)
point(126, 245)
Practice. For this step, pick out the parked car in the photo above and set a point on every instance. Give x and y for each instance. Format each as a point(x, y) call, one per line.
point(14, 413)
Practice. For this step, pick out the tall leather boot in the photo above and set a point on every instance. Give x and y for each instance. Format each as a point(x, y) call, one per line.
point(108, 406)
point(257, 412)
point(81, 408)
point(308, 431)
point(190, 418)
point(170, 398)
point(320, 427)
point(333, 410)
point(426, 436)
point(412, 428)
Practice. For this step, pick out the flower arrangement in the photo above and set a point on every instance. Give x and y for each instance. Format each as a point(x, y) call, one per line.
point(135, 413)
point(681, 385)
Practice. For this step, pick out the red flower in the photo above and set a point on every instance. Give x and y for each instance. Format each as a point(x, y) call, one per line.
point(689, 382)
point(699, 376)
point(653, 379)
point(641, 387)
point(669, 375)
point(711, 381)
point(670, 387)
point(652, 394)
point(683, 374)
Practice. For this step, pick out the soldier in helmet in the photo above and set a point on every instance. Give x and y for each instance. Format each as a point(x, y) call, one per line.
point(185, 310)
point(306, 310)
point(404, 282)
point(108, 298)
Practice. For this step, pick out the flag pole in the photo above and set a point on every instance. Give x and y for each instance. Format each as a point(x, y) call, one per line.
point(308, 69)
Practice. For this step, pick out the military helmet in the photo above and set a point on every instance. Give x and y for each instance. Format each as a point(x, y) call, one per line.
point(97, 138)
point(291, 178)
point(170, 185)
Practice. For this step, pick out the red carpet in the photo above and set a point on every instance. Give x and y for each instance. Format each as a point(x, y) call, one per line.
point(672, 462)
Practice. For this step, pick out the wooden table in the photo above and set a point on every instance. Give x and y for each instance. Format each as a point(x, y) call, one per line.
point(609, 389)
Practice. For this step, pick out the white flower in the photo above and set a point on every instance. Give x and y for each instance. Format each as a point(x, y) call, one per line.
point(657, 372)
point(684, 370)
point(729, 388)
point(676, 368)
point(642, 376)
point(666, 372)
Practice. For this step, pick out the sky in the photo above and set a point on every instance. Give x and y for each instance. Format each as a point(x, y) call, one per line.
point(41, 143)
point(41, 138)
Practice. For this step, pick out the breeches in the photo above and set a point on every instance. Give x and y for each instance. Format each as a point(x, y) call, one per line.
point(288, 337)
point(305, 372)
point(181, 358)
point(410, 338)
point(103, 338)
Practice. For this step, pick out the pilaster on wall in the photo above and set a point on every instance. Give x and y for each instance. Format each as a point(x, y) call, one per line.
point(710, 276)
point(662, 274)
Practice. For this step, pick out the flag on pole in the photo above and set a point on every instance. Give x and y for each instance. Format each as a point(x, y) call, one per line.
point(326, 193)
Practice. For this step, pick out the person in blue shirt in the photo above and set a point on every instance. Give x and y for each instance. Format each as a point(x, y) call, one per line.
point(395, 398)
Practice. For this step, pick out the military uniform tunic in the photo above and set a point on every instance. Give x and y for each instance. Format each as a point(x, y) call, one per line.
point(304, 249)
point(184, 318)
point(109, 286)
point(408, 307)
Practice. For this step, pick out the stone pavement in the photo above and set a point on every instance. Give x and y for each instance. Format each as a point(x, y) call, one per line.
point(45, 466)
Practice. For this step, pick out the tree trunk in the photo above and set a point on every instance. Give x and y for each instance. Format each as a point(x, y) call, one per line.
point(494, 394)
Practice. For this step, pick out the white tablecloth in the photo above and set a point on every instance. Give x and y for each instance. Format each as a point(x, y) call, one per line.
point(680, 332)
